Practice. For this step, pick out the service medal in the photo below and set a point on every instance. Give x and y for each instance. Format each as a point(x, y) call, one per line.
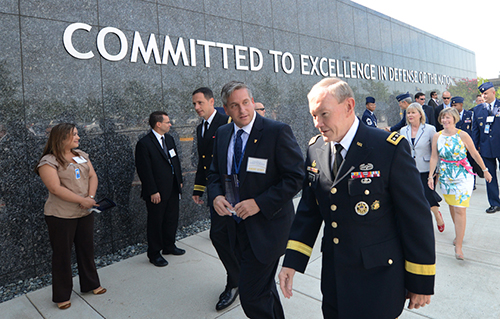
point(376, 205)
point(362, 208)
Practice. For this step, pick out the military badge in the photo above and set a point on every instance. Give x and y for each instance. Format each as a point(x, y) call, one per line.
point(312, 169)
point(362, 208)
point(481, 124)
point(365, 174)
point(366, 167)
point(376, 205)
point(366, 181)
point(313, 163)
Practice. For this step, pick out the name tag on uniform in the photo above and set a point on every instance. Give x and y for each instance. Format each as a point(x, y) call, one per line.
point(257, 165)
point(79, 160)
point(172, 153)
point(490, 119)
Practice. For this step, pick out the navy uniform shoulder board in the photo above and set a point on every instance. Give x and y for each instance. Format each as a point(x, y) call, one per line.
point(314, 139)
point(395, 138)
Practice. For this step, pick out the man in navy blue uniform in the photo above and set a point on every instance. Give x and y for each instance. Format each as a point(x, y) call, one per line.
point(369, 117)
point(378, 240)
point(486, 137)
point(259, 161)
point(404, 100)
point(203, 102)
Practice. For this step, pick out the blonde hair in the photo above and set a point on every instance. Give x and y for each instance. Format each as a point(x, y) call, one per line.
point(449, 110)
point(419, 109)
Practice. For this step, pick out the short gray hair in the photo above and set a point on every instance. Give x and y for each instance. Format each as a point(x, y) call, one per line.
point(407, 100)
point(419, 109)
point(230, 87)
point(339, 89)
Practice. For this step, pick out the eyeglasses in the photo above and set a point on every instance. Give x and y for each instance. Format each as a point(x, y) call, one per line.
point(260, 109)
point(446, 98)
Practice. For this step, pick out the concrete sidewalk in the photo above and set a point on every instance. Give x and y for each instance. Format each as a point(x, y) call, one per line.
point(190, 285)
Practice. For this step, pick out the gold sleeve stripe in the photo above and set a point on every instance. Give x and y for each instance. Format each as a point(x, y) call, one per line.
point(418, 269)
point(199, 188)
point(300, 247)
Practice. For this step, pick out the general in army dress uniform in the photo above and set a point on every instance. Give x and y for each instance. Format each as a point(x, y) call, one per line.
point(378, 242)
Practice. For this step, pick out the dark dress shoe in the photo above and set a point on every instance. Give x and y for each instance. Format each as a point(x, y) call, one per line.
point(158, 261)
point(176, 252)
point(493, 209)
point(227, 298)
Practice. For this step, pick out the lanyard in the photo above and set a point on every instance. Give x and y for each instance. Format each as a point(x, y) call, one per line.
point(237, 166)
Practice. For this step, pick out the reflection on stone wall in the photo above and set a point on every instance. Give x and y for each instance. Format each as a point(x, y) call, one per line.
point(41, 85)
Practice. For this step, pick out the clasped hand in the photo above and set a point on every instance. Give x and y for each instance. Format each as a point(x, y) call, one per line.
point(243, 209)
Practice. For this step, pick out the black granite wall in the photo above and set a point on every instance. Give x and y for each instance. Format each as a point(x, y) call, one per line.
point(42, 84)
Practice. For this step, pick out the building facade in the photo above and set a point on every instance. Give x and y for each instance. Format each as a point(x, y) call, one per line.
point(106, 65)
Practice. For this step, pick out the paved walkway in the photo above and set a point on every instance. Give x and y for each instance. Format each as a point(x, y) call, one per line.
point(190, 285)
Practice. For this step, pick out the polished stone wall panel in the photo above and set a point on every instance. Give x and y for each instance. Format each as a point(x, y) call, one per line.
point(285, 15)
point(10, 6)
point(133, 15)
point(74, 11)
point(181, 23)
point(259, 12)
point(42, 85)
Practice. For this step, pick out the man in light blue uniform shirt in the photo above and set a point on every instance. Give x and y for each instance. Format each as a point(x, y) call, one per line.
point(486, 137)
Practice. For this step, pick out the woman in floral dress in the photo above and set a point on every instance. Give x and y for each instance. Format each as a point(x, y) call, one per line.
point(450, 147)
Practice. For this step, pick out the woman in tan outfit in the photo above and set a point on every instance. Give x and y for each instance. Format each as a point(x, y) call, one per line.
point(72, 182)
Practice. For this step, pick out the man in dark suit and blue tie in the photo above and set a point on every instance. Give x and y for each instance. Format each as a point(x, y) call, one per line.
point(263, 158)
point(159, 169)
point(486, 137)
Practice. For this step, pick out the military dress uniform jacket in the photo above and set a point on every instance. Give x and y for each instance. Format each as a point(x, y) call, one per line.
point(272, 190)
point(465, 124)
point(205, 149)
point(488, 143)
point(369, 118)
point(377, 225)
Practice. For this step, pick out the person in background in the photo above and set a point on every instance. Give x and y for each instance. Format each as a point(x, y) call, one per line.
point(203, 102)
point(404, 100)
point(479, 99)
point(259, 107)
point(428, 110)
point(72, 182)
point(433, 101)
point(159, 170)
point(446, 97)
point(369, 117)
point(419, 135)
point(449, 149)
point(486, 137)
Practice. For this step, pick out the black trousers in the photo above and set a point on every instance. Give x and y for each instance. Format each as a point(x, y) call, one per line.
point(163, 219)
point(221, 239)
point(63, 233)
point(258, 294)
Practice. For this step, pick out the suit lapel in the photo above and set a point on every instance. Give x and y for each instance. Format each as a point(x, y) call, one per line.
point(225, 136)
point(356, 154)
point(252, 145)
point(154, 140)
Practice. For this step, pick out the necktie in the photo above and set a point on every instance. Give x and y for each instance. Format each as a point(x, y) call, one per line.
point(238, 145)
point(206, 129)
point(164, 146)
point(338, 159)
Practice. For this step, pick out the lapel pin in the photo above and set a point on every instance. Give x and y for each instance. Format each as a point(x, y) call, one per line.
point(359, 144)
point(255, 141)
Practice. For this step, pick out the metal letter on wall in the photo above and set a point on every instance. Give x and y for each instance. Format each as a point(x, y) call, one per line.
point(68, 44)
point(102, 48)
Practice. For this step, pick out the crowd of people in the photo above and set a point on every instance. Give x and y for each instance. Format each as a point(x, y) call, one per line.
point(373, 189)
